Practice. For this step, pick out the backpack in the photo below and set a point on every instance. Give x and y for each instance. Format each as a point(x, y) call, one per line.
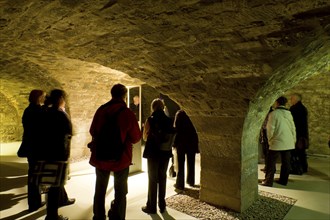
point(109, 146)
point(162, 134)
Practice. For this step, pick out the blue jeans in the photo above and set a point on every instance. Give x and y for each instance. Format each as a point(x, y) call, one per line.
point(118, 205)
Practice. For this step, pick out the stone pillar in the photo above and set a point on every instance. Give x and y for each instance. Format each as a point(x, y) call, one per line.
point(228, 173)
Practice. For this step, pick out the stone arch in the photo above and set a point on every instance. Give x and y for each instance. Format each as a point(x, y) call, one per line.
point(16, 84)
point(310, 60)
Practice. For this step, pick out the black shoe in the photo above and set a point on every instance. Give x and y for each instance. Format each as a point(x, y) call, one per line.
point(265, 183)
point(60, 217)
point(145, 209)
point(162, 210)
point(178, 187)
point(68, 202)
point(281, 183)
point(112, 215)
point(32, 209)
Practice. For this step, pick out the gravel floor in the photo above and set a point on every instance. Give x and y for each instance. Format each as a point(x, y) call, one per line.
point(268, 206)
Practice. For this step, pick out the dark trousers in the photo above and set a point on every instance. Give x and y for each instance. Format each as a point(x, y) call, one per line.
point(301, 156)
point(56, 197)
point(157, 179)
point(63, 196)
point(181, 169)
point(271, 166)
point(34, 195)
point(118, 205)
point(265, 146)
point(52, 203)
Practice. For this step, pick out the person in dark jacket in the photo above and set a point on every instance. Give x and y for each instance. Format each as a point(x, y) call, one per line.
point(64, 200)
point(31, 120)
point(130, 134)
point(157, 159)
point(186, 144)
point(135, 106)
point(300, 117)
point(57, 139)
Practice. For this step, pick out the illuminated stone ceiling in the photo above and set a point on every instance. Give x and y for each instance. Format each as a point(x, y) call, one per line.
point(224, 61)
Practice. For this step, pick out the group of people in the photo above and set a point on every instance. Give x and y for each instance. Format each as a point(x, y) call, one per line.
point(47, 137)
point(285, 133)
point(157, 157)
point(48, 130)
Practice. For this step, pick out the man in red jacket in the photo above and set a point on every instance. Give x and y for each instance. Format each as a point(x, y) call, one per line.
point(130, 134)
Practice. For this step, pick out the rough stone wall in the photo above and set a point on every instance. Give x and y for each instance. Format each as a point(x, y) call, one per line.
point(216, 59)
point(10, 129)
point(312, 59)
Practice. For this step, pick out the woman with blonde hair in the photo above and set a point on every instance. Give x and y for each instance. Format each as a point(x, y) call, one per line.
point(157, 156)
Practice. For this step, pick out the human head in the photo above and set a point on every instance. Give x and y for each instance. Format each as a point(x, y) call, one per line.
point(281, 101)
point(57, 98)
point(180, 115)
point(37, 96)
point(157, 104)
point(136, 100)
point(295, 97)
point(118, 91)
point(47, 101)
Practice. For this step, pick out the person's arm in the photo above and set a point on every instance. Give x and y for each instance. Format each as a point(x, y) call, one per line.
point(270, 126)
point(135, 131)
point(305, 123)
point(94, 129)
point(146, 130)
point(68, 135)
point(129, 127)
point(292, 128)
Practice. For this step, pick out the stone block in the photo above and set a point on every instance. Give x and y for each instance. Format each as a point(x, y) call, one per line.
point(220, 200)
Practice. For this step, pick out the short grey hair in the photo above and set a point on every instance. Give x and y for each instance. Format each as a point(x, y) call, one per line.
point(298, 95)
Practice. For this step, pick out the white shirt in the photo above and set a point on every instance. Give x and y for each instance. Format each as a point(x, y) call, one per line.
point(281, 131)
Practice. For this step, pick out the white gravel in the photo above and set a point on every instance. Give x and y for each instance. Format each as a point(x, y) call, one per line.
point(267, 206)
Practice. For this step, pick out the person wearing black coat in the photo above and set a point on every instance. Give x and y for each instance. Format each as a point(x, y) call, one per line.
point(186, 144)
point(300, 117)
point(57, 139)
point(31, 120)
point(157, 159)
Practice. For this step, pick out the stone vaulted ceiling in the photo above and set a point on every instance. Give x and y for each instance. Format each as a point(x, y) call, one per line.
point(157, 42)
point(223, 61)
point(209, 55)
